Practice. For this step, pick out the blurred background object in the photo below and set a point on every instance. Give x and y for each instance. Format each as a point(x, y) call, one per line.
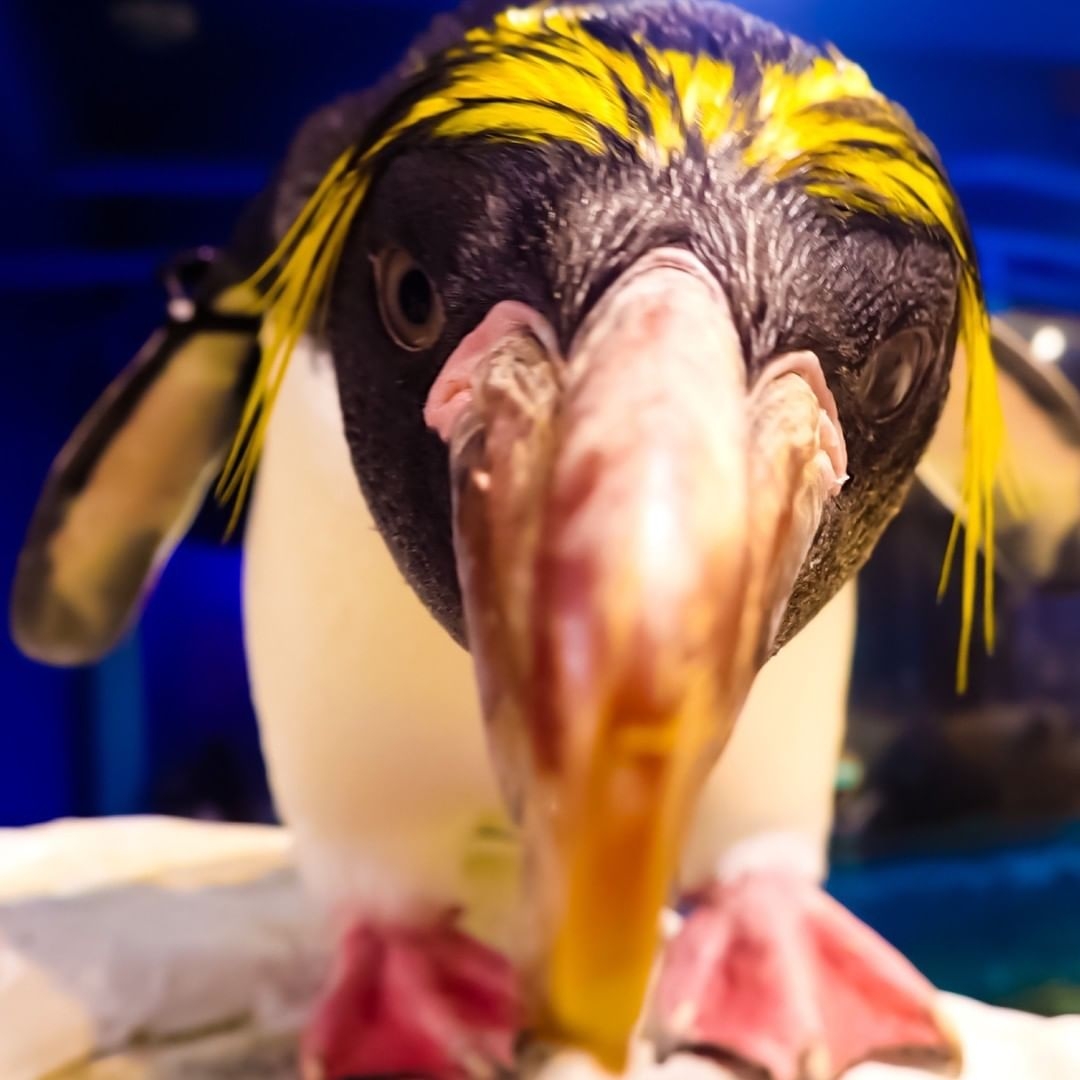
point(138, 128)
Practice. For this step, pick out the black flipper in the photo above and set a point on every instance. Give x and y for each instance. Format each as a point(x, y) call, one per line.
point(131, 478)
point(1037, 544)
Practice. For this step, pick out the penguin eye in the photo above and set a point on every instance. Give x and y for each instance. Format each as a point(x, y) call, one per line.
point(895, 371)
point(409, 304)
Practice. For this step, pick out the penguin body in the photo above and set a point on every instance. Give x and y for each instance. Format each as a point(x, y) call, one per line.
point(356, 687)
point(367, 713)
point(636, 320)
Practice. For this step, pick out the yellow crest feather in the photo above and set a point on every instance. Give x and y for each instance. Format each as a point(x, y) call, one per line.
point(292, 283)
point(871, 158)
point(538, 75)
point(984, 472)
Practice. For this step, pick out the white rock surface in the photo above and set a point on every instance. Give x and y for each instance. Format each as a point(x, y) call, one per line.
point(151, 947)
point(146, 929)
point(78, 855)
point(1001, 1044)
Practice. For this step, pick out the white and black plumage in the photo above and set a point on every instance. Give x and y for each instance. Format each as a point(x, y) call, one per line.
point(627, 540)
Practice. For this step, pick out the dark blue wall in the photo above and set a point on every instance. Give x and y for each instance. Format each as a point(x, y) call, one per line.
point(139, 127)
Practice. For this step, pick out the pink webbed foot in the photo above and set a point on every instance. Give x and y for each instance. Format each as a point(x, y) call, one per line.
point(413, 1001)
point(771, 972)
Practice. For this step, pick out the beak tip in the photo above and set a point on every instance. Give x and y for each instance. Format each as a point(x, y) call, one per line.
point(553, 1059)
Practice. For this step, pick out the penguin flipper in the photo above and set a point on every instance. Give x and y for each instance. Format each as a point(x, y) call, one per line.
point(135, 472)
point(132, 477)
point(1037, 541)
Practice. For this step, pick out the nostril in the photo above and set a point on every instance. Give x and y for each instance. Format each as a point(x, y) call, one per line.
point(807, 366)
point(452, 392)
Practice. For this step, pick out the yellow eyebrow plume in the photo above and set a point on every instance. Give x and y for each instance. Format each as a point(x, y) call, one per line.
point(846, 143)
point(539, 75)
point(294, 283)
point(984, 473)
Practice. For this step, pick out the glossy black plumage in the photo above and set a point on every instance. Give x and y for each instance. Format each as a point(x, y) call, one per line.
point(553, 225)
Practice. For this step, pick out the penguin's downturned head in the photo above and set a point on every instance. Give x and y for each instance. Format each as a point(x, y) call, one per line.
point(640, 327)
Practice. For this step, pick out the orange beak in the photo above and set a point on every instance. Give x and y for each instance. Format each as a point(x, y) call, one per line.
point(629, 523)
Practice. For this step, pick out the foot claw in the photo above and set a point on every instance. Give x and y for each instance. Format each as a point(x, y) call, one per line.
point(311, 1069)
point(815, 1064)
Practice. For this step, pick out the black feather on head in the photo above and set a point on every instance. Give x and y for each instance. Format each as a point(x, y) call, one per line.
point(540, 153)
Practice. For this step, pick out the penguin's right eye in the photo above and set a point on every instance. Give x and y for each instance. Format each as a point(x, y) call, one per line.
point(895, 372)
point(409, 304)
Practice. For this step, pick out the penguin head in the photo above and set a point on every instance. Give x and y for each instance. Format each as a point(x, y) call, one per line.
point(556, 229)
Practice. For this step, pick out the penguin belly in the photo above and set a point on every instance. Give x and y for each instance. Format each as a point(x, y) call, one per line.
point(371, 730)
point(769, 799)
point(370, 727)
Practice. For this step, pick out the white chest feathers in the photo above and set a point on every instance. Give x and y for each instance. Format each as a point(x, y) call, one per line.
point(368, 713)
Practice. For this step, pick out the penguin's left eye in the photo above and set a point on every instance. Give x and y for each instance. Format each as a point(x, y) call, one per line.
point(409, 304)
point(895, 371)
